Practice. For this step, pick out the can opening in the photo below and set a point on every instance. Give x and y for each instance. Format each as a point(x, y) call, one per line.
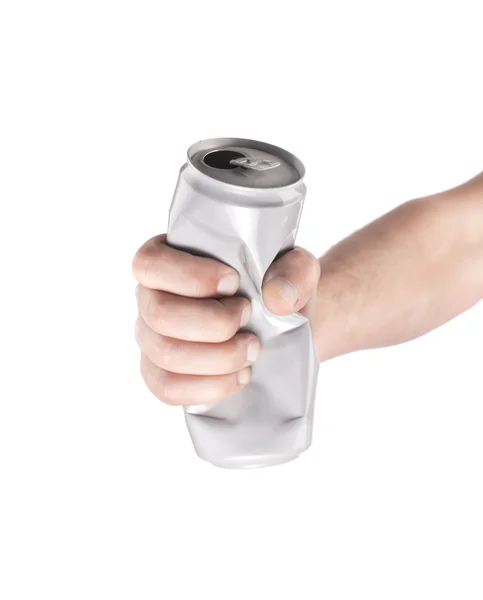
point(220, 159)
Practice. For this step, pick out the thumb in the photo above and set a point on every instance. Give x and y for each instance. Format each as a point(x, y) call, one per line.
point(290, 282)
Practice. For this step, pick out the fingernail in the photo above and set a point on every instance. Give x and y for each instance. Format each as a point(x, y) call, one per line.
point(243, 376)
point(246, 314)
point(228, 284)
point(253, 351)
point(284, 289)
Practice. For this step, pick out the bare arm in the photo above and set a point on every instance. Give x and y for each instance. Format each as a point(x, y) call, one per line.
point(399, 277)
point(402, 275)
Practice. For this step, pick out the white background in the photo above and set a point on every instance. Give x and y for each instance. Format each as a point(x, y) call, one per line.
point(102, 495)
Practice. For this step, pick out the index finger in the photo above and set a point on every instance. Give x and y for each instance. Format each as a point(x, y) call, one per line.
point(160, 267)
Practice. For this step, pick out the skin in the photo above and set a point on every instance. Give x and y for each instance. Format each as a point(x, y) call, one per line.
point(398, 278)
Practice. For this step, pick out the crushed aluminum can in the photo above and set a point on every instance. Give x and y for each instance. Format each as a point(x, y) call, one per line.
point(239, 201)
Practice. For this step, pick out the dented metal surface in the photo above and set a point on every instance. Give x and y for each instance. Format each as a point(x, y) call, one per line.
point(245, 221)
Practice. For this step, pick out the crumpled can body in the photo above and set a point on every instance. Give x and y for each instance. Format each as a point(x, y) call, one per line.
point(270, 420)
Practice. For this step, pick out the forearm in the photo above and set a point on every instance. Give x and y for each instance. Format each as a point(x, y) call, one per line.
point(402, 275)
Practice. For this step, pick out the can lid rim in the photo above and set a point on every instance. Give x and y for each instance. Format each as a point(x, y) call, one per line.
point(222, 142)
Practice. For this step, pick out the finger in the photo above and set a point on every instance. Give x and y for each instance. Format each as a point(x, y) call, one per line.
point(202, 320)
point(291, 282)
point(188, 390)
point(197, 358)
point(160, 267)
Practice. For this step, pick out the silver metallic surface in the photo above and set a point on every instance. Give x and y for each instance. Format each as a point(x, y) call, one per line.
point(287, 173)
point(257, 165)
point(244, 218)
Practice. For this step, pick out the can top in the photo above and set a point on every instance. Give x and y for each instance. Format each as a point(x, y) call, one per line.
point(246, 163)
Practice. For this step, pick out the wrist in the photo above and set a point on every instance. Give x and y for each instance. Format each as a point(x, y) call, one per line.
point(333, 326)
point(359, 291)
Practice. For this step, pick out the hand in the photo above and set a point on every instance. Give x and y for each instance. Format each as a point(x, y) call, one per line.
point(189, 317)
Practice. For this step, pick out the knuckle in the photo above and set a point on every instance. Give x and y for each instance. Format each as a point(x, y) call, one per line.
point(313, 261)
point(137, 331)
point(165, 389)
point(165, 352)
point(157, 381)
point(164, 394)
point(156, 311)
point(302, 255)
point(314, 270)
point(149, 257)
point(140, 264)
point(307, 263)
point(139, 293)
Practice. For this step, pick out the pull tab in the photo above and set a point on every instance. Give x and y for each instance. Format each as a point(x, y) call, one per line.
point(255, 165)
